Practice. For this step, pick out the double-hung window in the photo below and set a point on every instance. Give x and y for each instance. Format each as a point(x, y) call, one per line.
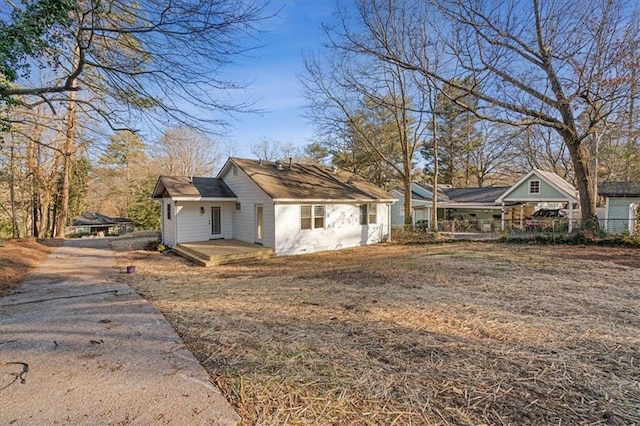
point(373, 214)
point(312, 217)
point(368, 214)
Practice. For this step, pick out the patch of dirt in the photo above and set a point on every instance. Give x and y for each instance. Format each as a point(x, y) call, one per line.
point(456, 333)
point(618, 255)
point(18, 257)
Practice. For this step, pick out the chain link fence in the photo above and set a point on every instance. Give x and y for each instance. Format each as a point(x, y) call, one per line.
point(461, 228)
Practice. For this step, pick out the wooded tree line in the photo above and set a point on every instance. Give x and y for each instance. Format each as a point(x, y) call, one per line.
point(116, 180)
point(461, 92)
point(489, 89)
point(74, 73)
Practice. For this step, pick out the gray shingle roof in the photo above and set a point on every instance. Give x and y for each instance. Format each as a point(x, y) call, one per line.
point(484, 195)
point(97, 219)
point(619, 189)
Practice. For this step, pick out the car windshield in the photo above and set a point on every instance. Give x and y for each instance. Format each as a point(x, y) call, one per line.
point(548, 213)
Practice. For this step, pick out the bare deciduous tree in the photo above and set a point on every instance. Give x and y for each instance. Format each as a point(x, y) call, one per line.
point(185, 151)
point(559, 65)
point(371, 104)
point(127, 62)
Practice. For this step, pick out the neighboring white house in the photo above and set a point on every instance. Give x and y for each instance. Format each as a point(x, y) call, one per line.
point(292, 208)
point(622, 206)
point(491, 207)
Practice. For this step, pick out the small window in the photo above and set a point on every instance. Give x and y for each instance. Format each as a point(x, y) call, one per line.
point(168, 211)
point(318, 217)
point(238, 207)
point(368, 214)
point(312, 217)
point(305, 217)
point(234, 170)
point(373, 214)
point(364, 212)
point(534, 187)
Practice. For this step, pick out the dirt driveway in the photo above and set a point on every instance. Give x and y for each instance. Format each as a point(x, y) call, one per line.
point(77, 347)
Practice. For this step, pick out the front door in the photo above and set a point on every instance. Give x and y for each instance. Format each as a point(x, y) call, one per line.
point(216, 222)
point(259, 224)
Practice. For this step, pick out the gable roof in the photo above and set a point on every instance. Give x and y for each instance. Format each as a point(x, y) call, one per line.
point(197, 188)
point(429, 190)
point(619, 189)
point(307, 182)
point(555, 181)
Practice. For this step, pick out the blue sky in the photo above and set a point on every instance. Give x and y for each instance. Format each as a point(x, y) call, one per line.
point(272, 72)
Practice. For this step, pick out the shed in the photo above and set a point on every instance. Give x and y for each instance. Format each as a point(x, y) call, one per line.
point(622, 203)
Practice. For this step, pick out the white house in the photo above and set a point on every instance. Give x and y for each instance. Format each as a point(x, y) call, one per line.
point(622, 206)
point(292, 208)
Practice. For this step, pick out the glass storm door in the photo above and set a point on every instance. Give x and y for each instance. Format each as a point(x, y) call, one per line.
point(216, 222)
point(259, 224)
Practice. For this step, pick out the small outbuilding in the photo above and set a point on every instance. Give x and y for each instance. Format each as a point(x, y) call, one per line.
point(622, 206)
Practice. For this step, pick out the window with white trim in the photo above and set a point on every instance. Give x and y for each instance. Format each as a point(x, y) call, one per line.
point(318, 216)
point(534, 187)
point(312, 217)
point(368, 214)
point(238, 206)
point(373, 214)
point(168, 211)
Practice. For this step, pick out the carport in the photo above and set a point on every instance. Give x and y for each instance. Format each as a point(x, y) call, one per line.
point(539, 186)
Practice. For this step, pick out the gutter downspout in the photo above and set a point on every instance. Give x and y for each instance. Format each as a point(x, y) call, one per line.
point(389, 222)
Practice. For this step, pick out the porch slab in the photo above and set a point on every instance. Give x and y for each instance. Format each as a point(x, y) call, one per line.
point(222, 252)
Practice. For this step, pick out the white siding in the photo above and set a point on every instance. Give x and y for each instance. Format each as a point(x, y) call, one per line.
point(168, 225)
point(249, 194)
point(193, 225)
point(342, 229)
point(228, 211)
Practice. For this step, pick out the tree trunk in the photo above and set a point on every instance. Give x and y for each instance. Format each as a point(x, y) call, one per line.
point(408, 216)
point(434, 188)
point(12, 194)
point(67, 163)
point(580, 158)
point(68, 153)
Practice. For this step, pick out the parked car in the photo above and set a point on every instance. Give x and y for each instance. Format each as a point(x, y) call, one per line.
point(547, 219)
point(422, 224)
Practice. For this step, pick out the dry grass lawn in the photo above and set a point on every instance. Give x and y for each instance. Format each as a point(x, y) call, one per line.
point(460, 333)
point(18, 257)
